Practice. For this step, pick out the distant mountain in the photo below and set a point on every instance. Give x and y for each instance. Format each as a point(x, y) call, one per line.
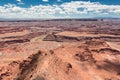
point(63, 19)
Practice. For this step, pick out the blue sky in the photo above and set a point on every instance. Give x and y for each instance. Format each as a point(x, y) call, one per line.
point(59, 8)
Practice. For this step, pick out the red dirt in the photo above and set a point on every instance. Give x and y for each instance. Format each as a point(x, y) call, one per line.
point(72, 50)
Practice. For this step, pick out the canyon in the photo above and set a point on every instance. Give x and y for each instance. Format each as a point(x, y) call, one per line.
point(60, 49)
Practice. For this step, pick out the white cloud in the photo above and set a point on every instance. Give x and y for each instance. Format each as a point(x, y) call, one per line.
point(45, 0)
point(69, 9)
point(19, 1)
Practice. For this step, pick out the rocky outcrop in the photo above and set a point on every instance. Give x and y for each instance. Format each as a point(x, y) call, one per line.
point(19, 39)
point(18, 70)
point(84, 56)
point(50, 37)
point(63, 38)
point(6, 43)
point(9, 72)
point(108, 38)
point(4, 30)
point(28, 66)
point(67, 63)
point(41, 66)
point(107, 51)
point(96, 43)
point(59, 38)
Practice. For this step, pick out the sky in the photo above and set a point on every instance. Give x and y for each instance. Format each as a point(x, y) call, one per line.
point(46, 9)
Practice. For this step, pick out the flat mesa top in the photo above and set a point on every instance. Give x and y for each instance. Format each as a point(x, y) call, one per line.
point(76, 34)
